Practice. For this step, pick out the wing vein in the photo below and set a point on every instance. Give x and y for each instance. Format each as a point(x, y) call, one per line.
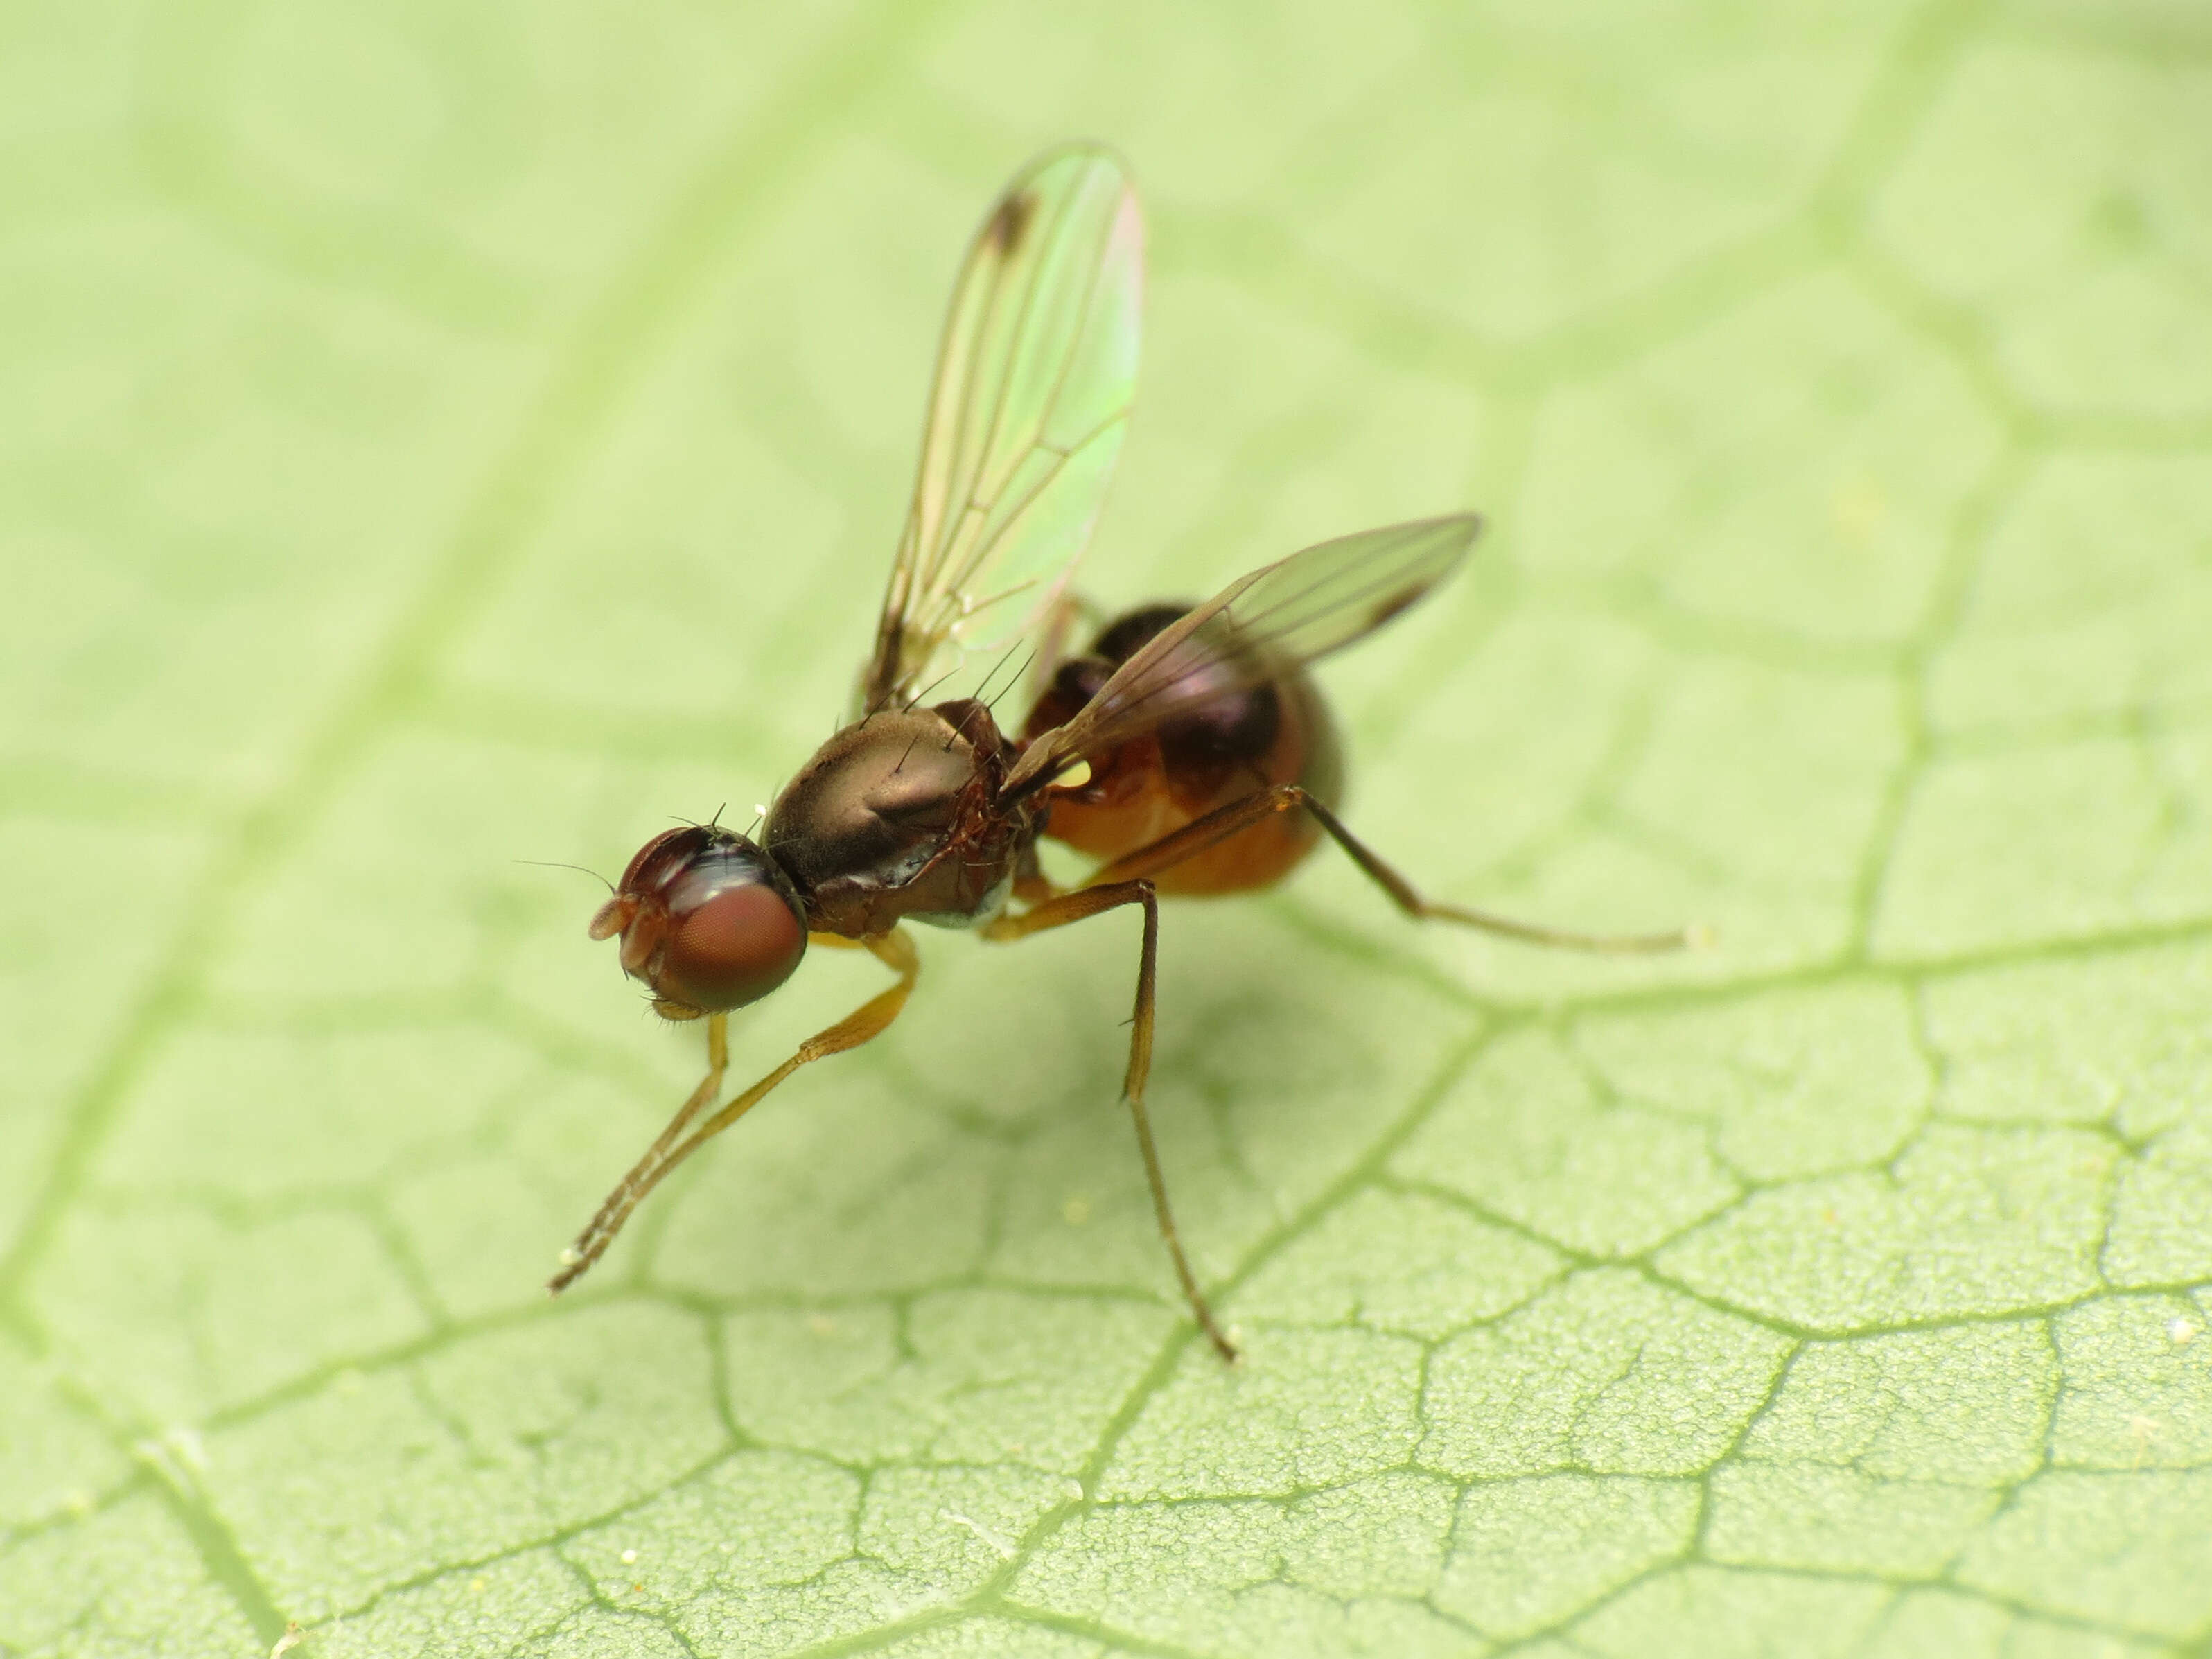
point(1042, 327)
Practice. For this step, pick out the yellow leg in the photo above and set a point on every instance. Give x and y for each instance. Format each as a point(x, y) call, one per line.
point(894, 950)
point(1079, 906)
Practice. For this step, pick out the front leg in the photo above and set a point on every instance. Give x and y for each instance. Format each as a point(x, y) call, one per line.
point(871, 1019)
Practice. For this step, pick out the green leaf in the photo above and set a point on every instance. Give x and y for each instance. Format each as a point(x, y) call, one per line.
point(445, 437)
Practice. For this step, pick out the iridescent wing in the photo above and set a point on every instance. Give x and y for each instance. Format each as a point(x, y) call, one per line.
point(1034, 378)
point(1279, 617)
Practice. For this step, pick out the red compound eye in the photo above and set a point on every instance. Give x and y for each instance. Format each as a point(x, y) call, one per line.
point(734, 947)
point(707, 920)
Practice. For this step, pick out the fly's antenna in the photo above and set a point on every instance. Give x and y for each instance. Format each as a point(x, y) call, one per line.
point(555, 864)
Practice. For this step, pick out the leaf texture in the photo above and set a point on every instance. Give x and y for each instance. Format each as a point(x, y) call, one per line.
point(445, 437)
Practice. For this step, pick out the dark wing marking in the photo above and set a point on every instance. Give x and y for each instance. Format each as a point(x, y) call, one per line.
point(1278, 617)
point(1034, 378)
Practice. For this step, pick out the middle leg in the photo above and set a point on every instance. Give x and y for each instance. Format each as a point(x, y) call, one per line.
point(1079, 906)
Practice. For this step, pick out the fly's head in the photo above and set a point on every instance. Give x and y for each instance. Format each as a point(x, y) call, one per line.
point(707, 920)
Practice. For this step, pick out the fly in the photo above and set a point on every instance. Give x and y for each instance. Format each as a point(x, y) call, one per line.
point(1186, 749)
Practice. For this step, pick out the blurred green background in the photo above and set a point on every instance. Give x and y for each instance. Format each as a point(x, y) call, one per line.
point(442, 436)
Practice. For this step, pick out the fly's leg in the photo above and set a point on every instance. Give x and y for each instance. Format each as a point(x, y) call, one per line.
point(1224, 822)
point(640, 1180)
point(1079, 906)
point(894, 950)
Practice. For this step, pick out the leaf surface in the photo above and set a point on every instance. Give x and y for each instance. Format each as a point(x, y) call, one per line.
point(442, 438)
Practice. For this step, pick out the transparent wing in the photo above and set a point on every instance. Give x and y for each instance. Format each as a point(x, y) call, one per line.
point(1280, 615)
point(1034, 377)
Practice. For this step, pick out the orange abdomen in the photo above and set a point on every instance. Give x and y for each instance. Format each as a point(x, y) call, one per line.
point(1243, 742)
